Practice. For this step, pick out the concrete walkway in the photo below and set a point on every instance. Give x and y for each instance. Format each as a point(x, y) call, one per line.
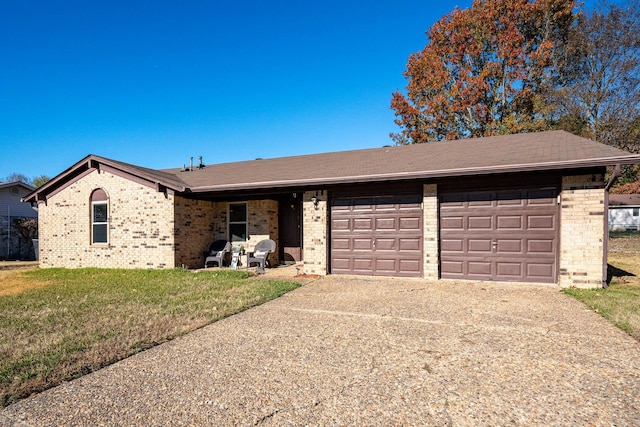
point(355, 351)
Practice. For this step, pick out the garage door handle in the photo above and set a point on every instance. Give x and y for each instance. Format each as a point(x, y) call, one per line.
point(374, 244)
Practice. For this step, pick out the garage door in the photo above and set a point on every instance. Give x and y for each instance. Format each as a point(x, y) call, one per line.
point(377, 235)
point(509, 235)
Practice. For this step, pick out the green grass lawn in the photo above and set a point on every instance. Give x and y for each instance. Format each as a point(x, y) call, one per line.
point(58, 324)
point(620, 302)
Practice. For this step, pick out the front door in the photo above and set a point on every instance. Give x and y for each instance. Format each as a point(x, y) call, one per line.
point(290, 228)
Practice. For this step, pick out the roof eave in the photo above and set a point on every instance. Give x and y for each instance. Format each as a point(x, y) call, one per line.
point(442, 173)
point(91, 163)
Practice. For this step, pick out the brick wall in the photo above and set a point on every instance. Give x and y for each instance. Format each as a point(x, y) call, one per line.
point(141, 226)
point(262, 217)
point(582, 219)
point(314, 225)
point(431, 266)
point(263, 224)
point(196, 229)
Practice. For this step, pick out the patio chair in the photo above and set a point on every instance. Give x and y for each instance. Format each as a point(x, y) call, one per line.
point(260, 254)
point(217, 252)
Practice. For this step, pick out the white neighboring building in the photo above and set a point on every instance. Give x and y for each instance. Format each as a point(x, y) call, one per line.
point(11, 206)
point(624, 212)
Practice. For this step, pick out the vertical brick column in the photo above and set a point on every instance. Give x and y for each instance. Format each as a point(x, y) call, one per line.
point(314, 224)
point(582, 217)
point(430, 231)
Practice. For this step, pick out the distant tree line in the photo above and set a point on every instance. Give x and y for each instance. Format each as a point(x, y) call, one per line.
point(509, 66)
point(36, 181)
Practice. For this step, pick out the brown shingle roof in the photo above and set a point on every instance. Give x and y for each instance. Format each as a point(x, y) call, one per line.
point(624, 199)
point(499, 154)
point(165, 178)
point(151, 177)
point(509, 153)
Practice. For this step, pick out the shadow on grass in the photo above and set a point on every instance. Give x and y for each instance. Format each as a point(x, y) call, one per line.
point(616, 272)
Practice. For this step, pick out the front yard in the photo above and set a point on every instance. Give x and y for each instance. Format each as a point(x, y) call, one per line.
point(58, 324)
point(620, 303)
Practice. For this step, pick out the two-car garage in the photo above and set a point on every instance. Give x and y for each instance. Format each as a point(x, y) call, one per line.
point(503, 233)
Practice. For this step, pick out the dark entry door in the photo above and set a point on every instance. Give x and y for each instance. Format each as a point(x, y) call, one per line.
point(290, 228)
point(509, 235)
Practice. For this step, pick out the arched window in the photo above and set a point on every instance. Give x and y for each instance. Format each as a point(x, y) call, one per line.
point(99, 217)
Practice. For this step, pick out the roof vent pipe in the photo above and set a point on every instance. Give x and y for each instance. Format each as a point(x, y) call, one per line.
point(191, 163)
point(200, 164)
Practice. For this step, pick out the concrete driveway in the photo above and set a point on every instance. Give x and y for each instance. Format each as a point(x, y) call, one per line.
point(357, 351)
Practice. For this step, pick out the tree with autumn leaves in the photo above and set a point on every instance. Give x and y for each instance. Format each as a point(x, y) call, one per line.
point(508, 66)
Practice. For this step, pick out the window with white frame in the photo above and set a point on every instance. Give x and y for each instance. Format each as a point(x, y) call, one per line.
point(237, 221)
point(636, 211)
point(99, 217)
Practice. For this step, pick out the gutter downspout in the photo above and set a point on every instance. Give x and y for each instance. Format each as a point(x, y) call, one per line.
point(605, 271)
point(616, 174)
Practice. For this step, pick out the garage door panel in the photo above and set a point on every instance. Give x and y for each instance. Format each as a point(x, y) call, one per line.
point(482, 268)
point(511, 246)
point(385, 224)
point(541, 271)
point(452, 267)
point(409, 244)
point(362, 243)
point(480, 223)
point(452, 245)
point(341, 244)
point(409, 268)
point(510, 222)
point(362, 264)
point(339, 263)
point(452, 223)
point(540, 246)
point(384, 235)
point(480, 245)
point(360, 224)
point(386, 265)
point(509, 269)
point(340, 224)
point(541, 222)
point(414, 207)
point(409, 224)
point(388, 244)
point(520, 245)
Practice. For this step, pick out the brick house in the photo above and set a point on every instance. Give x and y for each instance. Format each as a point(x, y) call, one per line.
point(523, 208)
point(12, 245)
point(624, 212)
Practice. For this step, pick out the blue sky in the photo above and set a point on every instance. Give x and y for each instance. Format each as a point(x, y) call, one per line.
point(155, 82)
